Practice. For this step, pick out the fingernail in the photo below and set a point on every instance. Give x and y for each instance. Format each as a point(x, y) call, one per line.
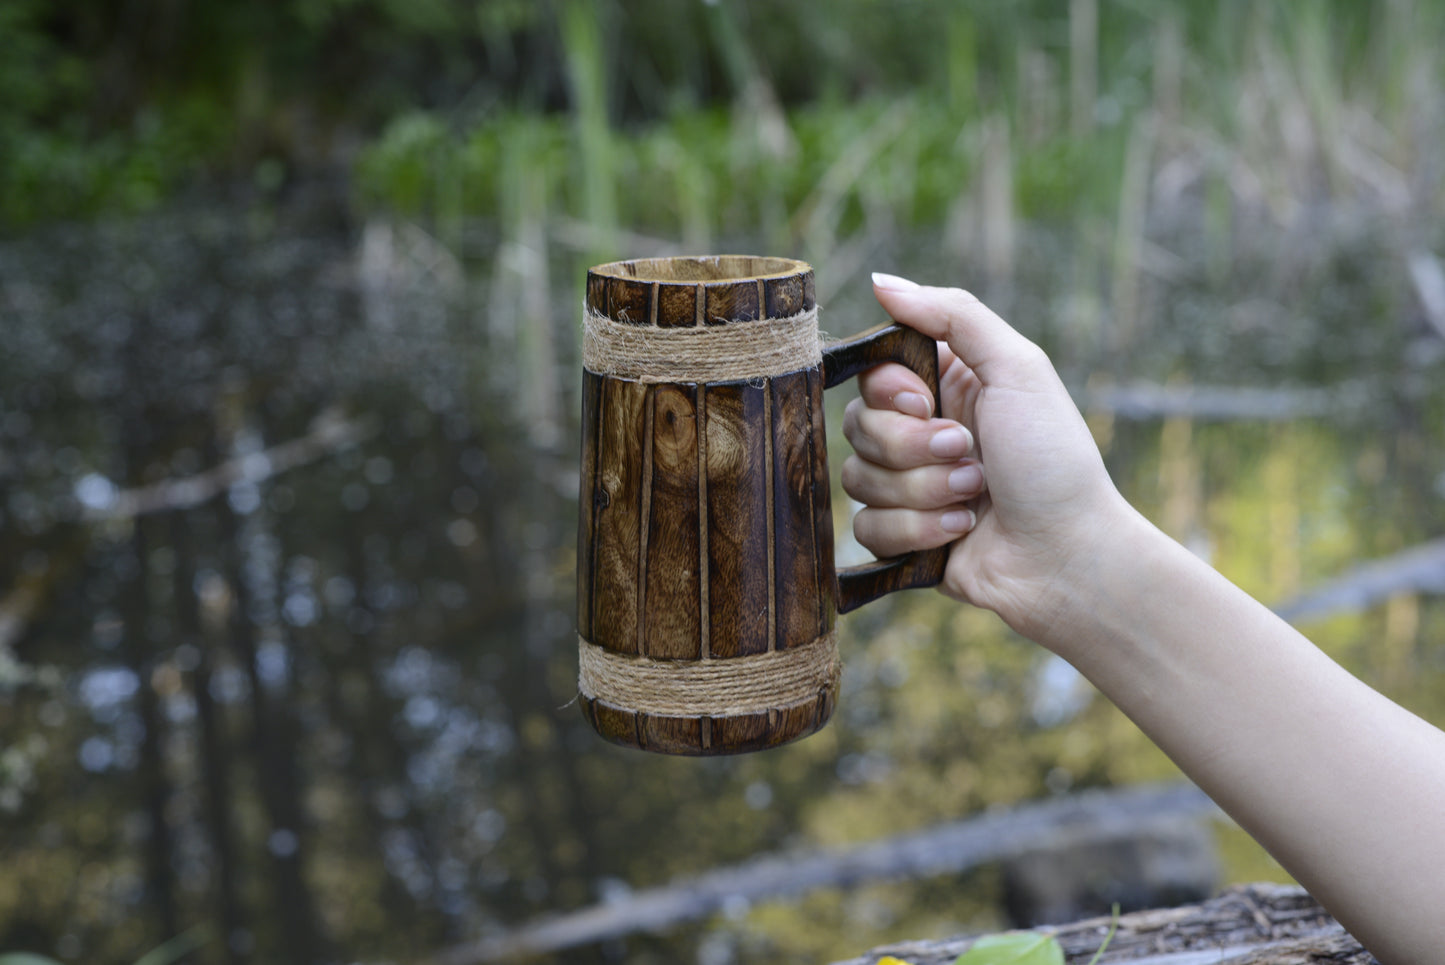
point(966, 480)
point(951, 443)
point(957, 521)
point(911, 403)
point(893, 283)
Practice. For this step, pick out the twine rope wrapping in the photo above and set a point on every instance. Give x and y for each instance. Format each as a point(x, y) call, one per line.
point(727, 687)
point(706, 353)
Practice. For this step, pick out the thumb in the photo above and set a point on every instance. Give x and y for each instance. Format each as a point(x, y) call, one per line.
point(984, 342)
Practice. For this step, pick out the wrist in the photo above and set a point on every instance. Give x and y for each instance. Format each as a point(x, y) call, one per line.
point(1112, 570)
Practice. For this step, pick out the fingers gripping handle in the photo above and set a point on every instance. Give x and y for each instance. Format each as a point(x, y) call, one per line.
point(889, 342)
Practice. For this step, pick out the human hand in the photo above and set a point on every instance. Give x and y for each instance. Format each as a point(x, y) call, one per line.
point(1007, 469)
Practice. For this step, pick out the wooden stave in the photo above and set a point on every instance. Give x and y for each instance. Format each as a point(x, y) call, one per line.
point(808, 517)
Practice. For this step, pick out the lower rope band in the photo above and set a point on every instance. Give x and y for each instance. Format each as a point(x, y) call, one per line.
point(719, 687)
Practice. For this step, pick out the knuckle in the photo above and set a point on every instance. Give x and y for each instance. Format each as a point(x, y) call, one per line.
point(1032, 354)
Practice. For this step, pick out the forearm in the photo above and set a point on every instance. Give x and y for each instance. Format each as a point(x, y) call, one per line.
point(1345, 788)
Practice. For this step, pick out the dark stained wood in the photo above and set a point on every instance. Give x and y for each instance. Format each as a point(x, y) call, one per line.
point(618, 506)
point(822, 504)
point(750, 732)
point(788, 295)
point(672, 603)
point(597, 298)
point(862, 584)
point(737, 523)
point(795, 549)
point(756, 732)
point(612, 723)
point(673, 735)
point(734, 288)
point(630, 300)
point(587, 498)
point(677, 305)
point(888, 342)
point(730, 301)
point(823, 709)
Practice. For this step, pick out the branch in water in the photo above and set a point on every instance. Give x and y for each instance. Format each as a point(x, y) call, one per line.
point(330, 434)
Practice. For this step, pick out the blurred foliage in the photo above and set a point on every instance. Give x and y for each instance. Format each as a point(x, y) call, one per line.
point(737, 106)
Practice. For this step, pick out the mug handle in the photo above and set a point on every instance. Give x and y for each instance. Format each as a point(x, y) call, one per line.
point(888, 342)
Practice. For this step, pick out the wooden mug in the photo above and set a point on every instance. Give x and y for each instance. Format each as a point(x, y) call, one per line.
point(706, 584)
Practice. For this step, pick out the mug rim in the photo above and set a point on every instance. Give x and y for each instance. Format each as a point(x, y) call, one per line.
point(702, 269)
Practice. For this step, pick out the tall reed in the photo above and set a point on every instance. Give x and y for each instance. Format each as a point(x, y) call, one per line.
point(587, 75)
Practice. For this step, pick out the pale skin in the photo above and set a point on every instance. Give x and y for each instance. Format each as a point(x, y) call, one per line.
point(1344, 787)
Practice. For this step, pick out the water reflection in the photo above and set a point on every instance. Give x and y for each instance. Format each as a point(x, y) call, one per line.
point(320, 699)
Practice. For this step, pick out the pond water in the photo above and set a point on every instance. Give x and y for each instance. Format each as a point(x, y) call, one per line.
point(287, 512)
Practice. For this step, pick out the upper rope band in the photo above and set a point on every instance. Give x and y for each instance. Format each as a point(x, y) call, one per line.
point(706, 353)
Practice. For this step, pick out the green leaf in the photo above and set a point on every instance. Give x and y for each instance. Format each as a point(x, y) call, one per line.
point(1013, 948)
point(25, 958)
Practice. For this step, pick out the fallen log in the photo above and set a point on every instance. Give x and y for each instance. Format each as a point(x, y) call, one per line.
point(1419, 569)
point(1092, 816)
point(1221, 403)
point(1259, 924)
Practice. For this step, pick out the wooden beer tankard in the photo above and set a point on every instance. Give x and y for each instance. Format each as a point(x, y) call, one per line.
point(706, 586)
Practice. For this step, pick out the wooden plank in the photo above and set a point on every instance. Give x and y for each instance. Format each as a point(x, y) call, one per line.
point(677, 306)
point(588, 494)
point(630, 300)
point(611, 723)
point(732, 301)
point(671, 735)
point(672, 605)
point(598, 293)
point(755, 732)
point(616, 594)
point(795, 548)
point(787, 295)
point(737, 520)
point(822, 506)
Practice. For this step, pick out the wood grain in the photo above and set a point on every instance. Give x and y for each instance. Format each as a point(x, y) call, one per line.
point(671, 608)
point(730, 302)
point(588, 495)
point(822, 506)
point(888, 342)
point(737, 524)
point(862, 584)
point(619, 530)
point(795, 546)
